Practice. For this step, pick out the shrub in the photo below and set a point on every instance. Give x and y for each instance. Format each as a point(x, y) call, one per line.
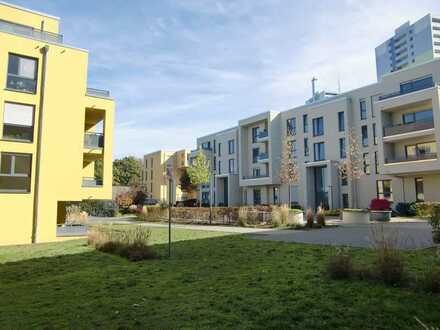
point(309, 218)
point(242, 216)
point(320, 217)
point(431, 280)
point(340, 266)
point(75, 215)
point(380, 204)
point(124, 200)
point(434, 219)
point(332, 212)
point(425, 209)
point(99, 208)
point(130, 243)
point(406, 209)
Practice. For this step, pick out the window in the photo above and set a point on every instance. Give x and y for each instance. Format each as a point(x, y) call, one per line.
point(319, 152)
point(151, 188)
point(231, 165)
point(206, 145)
point(344, 181)
point(366, 162)
point(214, 163)
point(215, 146)
point(306, 147)
point(254, 134)
point(151, 175)
point(15, 172)
point(219, 149)
point(384, 189)
point(318, 126)
point(256, 172)
point(374, 134)
point(18, 122)
point(342, 150)
point(376, 163)
point(363, 109)
point(420, 194)
point(219, 167)
point(255, 152)
point(412, 117)
point(151, 163)
point(22, 74)
point(291, 126)
point(257, 196)
point(231, 146)
point(305, 124)
point(341, 121)
point(423, 150)
point(293, 148)
point(364, 136)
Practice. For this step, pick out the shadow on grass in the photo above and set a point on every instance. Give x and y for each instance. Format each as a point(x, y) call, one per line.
point(217, 282)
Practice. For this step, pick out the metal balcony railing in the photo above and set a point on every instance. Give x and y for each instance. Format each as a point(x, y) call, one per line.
point(91, 182)
point(411, 158)
point(98, 92)
point(93, 140)
point(406, 128)
point(30, 32)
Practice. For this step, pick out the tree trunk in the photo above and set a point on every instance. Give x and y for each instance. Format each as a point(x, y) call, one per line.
point(290, 198)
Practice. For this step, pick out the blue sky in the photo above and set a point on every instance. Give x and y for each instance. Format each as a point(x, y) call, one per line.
point(182, 69)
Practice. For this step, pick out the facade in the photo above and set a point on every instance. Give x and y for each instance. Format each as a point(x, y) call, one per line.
point(221, 149)
point(412, 44)
point(55, 131)
point(154, 174)
point(396, 123)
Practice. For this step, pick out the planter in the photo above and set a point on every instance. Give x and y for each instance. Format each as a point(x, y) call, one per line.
point(295, 218)
point(436, 236)
point(382, 216)
point(355, 216)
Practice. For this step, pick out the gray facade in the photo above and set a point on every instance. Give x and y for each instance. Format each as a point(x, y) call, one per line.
point(411, 44)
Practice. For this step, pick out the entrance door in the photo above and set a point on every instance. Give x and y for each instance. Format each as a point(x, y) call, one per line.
point(321, 186)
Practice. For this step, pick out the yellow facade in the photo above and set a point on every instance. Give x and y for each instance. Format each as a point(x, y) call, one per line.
point(154, 169)
point(63, 111)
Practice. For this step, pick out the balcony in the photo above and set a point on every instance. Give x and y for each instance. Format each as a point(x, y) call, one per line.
point(30, 32)
point(411, 158)
point(98, 93)
point(94, 140)
point(262, 136)
point(91, 183)
point(408, 128)
point(422, 84)
point(263, 157)
point(250, 177)
point(22, 84)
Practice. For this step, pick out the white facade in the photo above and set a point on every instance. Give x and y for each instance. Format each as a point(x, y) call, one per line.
point(397, 124)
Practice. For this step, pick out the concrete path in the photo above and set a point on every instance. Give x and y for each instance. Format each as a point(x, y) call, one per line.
point(407, 235)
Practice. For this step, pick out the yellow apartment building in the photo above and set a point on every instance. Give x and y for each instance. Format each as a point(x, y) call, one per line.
point(53, 128)
point(154, 174)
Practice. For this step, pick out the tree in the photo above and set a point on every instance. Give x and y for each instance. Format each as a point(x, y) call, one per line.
point(185, 182)
point(126, 171)
point(289, 171)
point(351, 168)
point(199, 172)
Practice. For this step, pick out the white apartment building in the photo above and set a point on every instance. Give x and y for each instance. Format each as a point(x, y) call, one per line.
point(412, 44)
point(397, 124)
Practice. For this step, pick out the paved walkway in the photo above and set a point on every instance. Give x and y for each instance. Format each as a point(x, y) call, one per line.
point(407, 235)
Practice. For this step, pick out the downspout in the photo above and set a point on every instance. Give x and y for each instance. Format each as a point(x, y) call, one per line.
point(43, 51)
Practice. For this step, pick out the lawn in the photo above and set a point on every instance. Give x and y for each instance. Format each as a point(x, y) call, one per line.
point(213, 280)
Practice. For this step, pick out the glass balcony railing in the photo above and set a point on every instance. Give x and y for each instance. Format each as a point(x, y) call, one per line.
point(91, 182)
point(23, 84)
point(407, 128)
point(98, 92)
point(258, 176)
point(410, 87)
point(263, 156)
point(411, 158)
point(30, 32)
point(94, 140)
point(263, 134)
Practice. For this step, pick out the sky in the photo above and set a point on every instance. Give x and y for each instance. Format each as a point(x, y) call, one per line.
point(180, 69)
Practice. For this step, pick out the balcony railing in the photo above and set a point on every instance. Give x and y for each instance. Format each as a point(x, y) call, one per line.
point(248, 177)
point(406, 128)
point(262, 134)
point(30, 32)
point(18, 83)
point(98, 92)
point(411, 158)
point(91, 182)
point(263, 156)
point(418, 87)
point(94, 140)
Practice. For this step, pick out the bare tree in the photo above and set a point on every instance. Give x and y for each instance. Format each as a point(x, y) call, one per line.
point(351, 168)
point(289, 171)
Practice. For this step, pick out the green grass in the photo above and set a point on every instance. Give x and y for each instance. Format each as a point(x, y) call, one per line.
point(211, 281)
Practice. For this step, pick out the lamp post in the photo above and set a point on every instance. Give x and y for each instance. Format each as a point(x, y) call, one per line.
point(170, 195)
